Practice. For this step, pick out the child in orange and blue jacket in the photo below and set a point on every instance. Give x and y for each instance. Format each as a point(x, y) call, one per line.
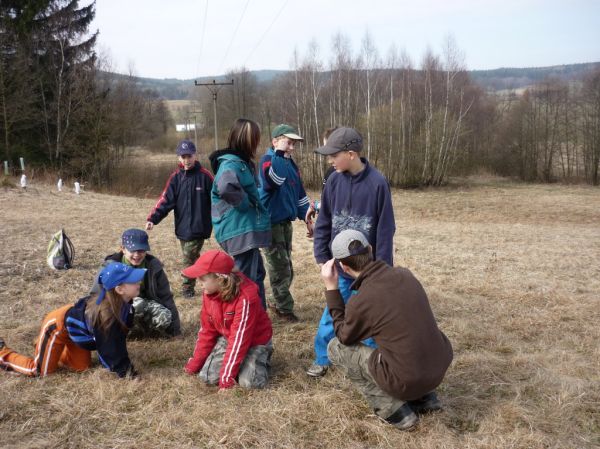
point(98, 322)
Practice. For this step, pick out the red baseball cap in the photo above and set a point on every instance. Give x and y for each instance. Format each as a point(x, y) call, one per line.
point(212, 261)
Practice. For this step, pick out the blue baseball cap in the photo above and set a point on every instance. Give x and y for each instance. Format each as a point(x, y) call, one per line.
point(135, 240)
point(186, 147)
point(115, 274)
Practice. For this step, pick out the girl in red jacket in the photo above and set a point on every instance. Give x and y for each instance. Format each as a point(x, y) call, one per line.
point(234, 341)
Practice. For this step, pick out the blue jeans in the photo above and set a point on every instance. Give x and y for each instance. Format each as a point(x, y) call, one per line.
point(251, 264)
point(325, 332)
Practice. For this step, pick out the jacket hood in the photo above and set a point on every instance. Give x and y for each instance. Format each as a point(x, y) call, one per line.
point(215, 155)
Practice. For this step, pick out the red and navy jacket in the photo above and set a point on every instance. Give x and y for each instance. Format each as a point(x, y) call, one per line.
point(281, 189)
point(188, 193)
point(242, 321)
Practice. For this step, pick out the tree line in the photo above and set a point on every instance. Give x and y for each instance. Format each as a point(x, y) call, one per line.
point(421, 123)
point(58, 109)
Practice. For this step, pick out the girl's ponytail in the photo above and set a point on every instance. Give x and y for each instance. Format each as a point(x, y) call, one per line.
point(110, 310)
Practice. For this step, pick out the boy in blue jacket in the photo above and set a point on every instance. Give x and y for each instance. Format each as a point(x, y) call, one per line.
point(282, 193)
point(187, 192)
point(356, 196)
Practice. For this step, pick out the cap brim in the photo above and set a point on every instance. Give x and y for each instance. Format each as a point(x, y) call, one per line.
point(194, 272)
point(326, 151)
point(138, 248)
point(293, 136)
point(136, 275)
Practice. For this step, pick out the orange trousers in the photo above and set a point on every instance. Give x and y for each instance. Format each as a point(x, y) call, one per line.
point(53, 348)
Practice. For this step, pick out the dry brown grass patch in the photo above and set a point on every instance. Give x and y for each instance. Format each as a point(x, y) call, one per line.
point(512, 274)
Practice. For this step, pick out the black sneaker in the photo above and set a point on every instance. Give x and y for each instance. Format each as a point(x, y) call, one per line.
point(426, 404)
point(403, 418)
point(2, 344)
point(188, 293)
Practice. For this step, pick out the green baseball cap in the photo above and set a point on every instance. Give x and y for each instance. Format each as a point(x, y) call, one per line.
point(285, 130)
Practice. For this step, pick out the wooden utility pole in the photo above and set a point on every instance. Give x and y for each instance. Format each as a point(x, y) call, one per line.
point(196, 127)
point(214, 89)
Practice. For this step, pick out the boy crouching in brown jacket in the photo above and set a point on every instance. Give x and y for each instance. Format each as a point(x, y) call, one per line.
point(399, 377)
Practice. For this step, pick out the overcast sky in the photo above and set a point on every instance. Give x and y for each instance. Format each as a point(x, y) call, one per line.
point(191, 38)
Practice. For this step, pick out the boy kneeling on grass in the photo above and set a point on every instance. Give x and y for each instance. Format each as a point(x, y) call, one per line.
point(234, 341)
point(398, 377)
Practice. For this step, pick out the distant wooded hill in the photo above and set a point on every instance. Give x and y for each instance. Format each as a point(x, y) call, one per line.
point(490, 80)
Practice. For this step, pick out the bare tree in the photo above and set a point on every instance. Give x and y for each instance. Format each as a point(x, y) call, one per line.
point(590, 107)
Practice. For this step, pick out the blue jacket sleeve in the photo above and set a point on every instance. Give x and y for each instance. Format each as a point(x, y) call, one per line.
point(272, 170)
point(322, 233)
point(167, 201)
point(386, 226)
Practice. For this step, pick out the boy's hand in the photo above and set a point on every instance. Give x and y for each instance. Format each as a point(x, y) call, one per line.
point(149, 225)
point(286, 145)
point(311, 213)
point(310, 229)
point(330, 275)
point(281, 144)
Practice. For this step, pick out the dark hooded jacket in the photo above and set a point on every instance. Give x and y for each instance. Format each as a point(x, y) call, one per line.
point(155, 286)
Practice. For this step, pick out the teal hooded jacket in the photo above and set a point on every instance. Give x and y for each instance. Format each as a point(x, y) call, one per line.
point(240, 220)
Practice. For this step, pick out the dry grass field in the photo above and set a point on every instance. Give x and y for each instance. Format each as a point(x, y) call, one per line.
point(513, 275)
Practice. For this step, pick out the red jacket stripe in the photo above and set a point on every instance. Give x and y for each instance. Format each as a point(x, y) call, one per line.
point(237, 343)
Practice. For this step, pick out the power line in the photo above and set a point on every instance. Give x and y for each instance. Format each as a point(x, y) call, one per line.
point(214, 89)
point(233, 36)
point(266, 32)
point(202, 37)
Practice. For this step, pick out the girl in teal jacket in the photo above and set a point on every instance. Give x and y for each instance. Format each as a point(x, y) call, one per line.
point(240, 221)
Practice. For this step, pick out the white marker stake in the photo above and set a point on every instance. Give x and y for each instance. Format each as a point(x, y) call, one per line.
point(22, 163)
point(59, 184)
point(77, 188)
point(23, 181)
point(6, 168)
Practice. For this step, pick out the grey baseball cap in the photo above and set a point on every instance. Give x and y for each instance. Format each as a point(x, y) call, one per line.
point(342, 139)
point(341, 242)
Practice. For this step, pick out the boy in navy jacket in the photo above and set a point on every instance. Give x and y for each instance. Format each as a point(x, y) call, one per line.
point(187, 192)
point(282, 193)
point(358, 197)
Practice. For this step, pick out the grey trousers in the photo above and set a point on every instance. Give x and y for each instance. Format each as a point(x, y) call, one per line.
point(355, 362)
point(254, 370)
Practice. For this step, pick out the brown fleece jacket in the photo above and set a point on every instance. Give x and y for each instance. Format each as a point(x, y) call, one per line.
point(392, 307)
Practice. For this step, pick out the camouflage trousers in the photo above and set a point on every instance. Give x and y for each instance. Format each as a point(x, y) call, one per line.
point(279, 266)
point(191, 251)
point(150, 317)
point(354, 360)
point(254, 370)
